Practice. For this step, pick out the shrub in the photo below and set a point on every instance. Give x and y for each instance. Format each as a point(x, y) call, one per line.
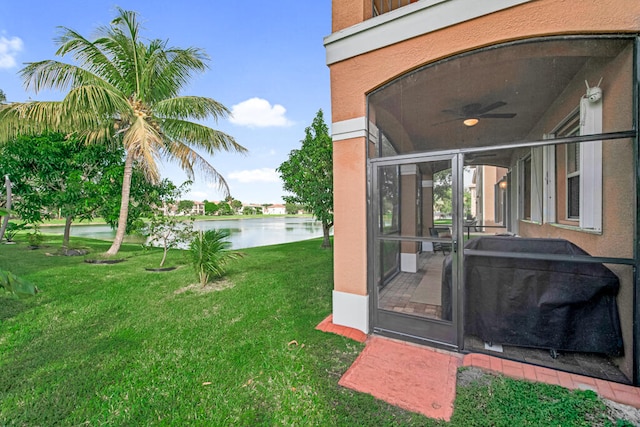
point(209, 254)
point(16, 285)
point(35, 239)
point(168, 232)
point(13, 229)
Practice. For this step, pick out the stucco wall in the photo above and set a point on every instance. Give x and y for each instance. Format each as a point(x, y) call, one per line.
point(347, 13)
point(352, 79)
point(350, 220)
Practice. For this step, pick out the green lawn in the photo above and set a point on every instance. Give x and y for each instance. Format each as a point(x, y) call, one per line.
point(117, 345)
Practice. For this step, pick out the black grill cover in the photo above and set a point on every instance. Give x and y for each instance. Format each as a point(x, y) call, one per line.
point(556, 305)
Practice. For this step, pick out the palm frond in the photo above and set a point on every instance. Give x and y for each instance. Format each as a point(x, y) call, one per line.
point(30, 118)
point(184, 107)
point(200, 136)
point(175, 68)
point(144, 143)
point(102, 101)
point(50, 74)
point(209, 254)
point(189, 160)
point(101, 134)
point(87, 53)
point(127, 20)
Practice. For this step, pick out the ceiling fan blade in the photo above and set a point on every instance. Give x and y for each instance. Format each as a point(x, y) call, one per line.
point(447, 121)
point(497, 116)
point(490, 107)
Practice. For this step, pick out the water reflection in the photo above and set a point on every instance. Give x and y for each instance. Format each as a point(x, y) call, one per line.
point(244, 233)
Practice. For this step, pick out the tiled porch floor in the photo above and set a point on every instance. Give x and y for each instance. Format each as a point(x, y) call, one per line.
point(589, 364)
point(401, 294)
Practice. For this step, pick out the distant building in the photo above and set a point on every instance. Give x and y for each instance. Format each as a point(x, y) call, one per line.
point(198, 208)
point(275, 210)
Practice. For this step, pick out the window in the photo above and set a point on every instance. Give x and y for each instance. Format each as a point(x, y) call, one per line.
point(525, 189)
point(571, 127)
point(579, 175)
point(581, 171)
point(531, 186)
point(573, 181)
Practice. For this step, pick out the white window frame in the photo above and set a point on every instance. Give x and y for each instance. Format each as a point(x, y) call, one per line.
point(591, 166)
point(537, 192)
point(549, 184)
point(522, 179)
point(567, 180)
point(536, 186)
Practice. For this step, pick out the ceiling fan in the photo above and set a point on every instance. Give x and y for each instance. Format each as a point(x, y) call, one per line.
point(471, 114)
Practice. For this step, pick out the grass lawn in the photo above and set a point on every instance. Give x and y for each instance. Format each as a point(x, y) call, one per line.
point(117, 345)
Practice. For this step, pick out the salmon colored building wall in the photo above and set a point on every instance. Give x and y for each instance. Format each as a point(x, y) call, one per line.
point(491, 175)
point(353, 77)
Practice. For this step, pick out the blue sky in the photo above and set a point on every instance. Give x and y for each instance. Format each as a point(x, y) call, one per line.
point(267, 65)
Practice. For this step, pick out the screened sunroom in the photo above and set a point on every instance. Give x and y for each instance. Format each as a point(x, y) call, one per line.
point(502, 208)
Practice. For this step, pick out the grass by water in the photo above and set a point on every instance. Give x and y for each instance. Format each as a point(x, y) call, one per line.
point(119, 345)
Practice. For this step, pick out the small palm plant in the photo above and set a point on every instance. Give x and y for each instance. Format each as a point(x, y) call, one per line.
point(209, 254)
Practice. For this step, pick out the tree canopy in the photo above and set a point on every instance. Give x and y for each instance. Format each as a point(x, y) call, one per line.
point(54, 175)
point(125, 90)
point(308, 174)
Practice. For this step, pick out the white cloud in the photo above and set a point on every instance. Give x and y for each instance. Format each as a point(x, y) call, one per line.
point(258, 112)
point(8, 51)
point(256, 175)
point(199, 195)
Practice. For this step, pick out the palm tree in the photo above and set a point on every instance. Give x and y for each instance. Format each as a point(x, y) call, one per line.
point(125, 91)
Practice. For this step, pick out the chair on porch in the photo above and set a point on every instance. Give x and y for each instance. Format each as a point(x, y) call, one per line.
point(441, 232)
point(469, 224)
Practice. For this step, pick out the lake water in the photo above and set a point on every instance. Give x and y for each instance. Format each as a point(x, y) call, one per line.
point(245, 233)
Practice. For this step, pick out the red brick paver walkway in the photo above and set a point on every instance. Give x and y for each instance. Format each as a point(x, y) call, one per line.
point(327, 325)
point(621, 393)
point(423, 380)
point(416, 378)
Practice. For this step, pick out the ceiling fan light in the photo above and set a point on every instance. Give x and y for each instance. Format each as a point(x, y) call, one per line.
point(470, 122)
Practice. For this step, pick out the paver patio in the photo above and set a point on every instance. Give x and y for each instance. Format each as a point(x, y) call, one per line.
point(423, 380)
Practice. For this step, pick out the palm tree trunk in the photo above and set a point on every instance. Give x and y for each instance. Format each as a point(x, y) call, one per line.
point(124, 206)
point(67, 231)
point(5, 220)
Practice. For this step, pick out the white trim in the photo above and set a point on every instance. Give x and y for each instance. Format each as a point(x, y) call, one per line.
point(351, 310)
point(537, 184)
point(347, 129)
point(591, 166)
point(406, 22)
point(427, 246)
point(549, 185)
point(521, 184)
point(409, 262)
point(409, 169)
point(427, 183)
